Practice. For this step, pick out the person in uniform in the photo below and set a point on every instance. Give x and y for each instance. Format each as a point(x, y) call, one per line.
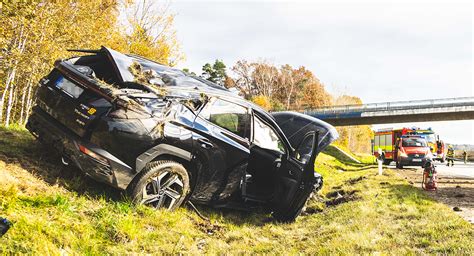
point(450, 155)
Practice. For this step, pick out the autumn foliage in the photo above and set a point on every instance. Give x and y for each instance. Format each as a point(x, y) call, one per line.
point(33, 34)
point(277, 88)
point(355, 138)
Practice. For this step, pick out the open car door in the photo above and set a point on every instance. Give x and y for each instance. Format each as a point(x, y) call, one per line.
point(297, 178)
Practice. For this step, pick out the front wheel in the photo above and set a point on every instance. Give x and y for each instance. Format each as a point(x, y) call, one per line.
point(163, 184)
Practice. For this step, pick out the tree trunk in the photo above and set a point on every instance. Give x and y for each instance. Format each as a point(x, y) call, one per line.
point(11, 78)
point(290, 93)
point(29, 102)
point(9, 83)
point(9, 106)
point(14, 109)
point(23, 96)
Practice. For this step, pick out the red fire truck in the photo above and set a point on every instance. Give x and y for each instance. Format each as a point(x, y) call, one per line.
point(388, 140)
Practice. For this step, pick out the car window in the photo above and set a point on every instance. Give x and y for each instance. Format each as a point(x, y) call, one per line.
point(305, 149)
point(413, 142)
point(229, 116)
point(266, 137)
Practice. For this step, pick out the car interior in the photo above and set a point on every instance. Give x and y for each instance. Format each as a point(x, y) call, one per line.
point(266, 152)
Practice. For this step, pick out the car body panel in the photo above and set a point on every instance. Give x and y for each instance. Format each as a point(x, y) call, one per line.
point(412, 156)
point(298, 178)
point(222, 157)
point(296, 126)
point(111, 111)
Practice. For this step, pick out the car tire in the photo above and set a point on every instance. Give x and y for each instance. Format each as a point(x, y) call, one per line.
point(162, 184)
point(399, 165)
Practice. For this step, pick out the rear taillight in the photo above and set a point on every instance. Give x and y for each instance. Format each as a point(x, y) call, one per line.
point(94, 156)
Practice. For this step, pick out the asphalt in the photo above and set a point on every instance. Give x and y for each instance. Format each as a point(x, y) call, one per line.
point(460, 170)
point(455, 186)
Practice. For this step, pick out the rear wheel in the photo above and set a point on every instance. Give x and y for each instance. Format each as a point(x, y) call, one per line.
point(163, 184)
point(399, 165)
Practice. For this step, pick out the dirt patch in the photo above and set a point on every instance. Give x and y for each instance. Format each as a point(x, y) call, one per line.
point(356, 180)
point(313, 210)
point(340, 196)
point(457, 193)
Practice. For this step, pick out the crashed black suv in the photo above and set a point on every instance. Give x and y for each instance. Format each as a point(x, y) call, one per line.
point(165, 136)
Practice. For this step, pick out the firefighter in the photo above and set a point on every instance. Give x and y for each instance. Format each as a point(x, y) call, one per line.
point(464, 156)
point(450, 155)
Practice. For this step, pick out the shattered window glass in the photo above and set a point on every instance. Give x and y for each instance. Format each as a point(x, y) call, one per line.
point(265, 137)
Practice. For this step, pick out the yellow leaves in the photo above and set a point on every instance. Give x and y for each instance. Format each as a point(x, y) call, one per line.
point(48, 29)
point(151, 32)
point(314, 95)
point(262, 101)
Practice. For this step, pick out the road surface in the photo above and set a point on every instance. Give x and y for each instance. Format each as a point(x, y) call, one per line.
point(455, 186)
point(459, 170)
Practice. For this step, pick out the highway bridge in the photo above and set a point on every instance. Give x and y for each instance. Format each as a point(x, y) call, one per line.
point(397, 112)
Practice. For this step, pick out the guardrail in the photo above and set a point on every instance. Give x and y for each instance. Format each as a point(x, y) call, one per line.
point(398, 105)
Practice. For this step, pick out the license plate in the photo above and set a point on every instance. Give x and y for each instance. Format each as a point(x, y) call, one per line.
point(69, 87)
point(416, 160)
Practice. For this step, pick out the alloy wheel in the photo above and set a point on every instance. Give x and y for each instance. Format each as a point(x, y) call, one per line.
point(163, 190)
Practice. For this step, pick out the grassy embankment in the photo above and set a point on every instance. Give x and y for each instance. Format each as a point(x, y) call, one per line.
point(58, 210)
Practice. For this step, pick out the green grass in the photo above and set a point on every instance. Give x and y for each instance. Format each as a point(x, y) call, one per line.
point(58, 210)
point(364, 158)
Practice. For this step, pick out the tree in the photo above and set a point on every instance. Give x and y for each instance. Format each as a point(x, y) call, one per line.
point(243, 81)
point(186, 70)
point(33, 34)
point(215, 73)
point(286, 88)
point(314, 95)
point(152, 34)
point(265, 78)
point(262, 101)
point(355, 138)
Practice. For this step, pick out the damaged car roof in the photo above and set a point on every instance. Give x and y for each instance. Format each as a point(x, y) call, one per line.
point(174, 81)
point(179, 84)
point(123, 65)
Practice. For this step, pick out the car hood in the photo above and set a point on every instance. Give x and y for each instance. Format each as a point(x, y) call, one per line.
point(296, 125)
point(416, 150)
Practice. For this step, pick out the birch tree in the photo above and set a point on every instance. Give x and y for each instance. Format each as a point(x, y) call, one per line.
point(33, 34)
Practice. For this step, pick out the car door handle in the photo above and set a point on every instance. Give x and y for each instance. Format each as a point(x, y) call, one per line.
point(205, 143)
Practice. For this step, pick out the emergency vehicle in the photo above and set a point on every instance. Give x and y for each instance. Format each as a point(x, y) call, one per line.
point(404, 146)
point(437, 146)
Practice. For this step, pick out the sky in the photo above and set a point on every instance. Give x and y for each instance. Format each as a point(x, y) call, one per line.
point(376, 50)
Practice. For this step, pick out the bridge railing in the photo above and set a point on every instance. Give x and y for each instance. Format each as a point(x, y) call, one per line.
point(398, 105)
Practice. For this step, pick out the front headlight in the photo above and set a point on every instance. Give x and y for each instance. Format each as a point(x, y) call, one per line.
point(402, 154)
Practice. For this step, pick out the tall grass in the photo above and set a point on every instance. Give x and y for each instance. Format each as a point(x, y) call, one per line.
point(57, 210)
